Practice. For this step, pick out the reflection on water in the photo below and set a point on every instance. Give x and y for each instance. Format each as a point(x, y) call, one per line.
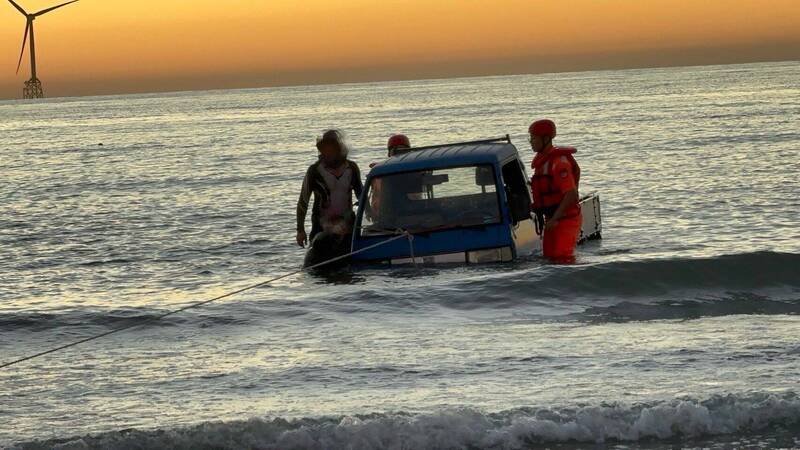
point(692, 293)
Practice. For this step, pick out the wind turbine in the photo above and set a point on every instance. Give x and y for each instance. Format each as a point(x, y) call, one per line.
point(33, 87)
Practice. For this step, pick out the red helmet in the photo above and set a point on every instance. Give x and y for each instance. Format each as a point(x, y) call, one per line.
point(398, 140)
point(544, 127)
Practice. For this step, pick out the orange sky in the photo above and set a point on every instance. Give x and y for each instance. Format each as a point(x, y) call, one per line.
point(107, 46)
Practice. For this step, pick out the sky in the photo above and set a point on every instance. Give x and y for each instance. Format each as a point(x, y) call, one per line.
point(116, 46)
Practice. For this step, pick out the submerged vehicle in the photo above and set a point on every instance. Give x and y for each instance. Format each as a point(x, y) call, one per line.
point(467, 202)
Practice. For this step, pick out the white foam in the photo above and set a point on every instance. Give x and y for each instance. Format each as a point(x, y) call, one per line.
point(470, 428)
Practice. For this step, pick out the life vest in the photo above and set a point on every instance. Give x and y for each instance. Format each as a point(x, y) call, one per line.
point(546, 196)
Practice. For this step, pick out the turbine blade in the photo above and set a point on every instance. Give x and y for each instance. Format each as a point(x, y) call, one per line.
point(19, 8)
point(45, 11)
point(24, 40)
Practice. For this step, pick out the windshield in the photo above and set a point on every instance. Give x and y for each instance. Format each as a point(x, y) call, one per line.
point(430, 200)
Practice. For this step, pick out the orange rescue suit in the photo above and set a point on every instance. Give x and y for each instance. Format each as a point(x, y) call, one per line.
point(555, 172)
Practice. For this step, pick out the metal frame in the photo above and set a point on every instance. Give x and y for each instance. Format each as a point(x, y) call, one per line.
point(506, 138)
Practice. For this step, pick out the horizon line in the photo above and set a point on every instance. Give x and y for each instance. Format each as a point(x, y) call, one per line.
point(393, 80)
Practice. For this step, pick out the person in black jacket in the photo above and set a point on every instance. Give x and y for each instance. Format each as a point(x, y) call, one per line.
point(332, 180)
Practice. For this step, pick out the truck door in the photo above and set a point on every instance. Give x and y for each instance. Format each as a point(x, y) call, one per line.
point(518, 197)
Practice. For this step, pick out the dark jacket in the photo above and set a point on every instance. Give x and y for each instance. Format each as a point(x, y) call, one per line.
point(313, 183)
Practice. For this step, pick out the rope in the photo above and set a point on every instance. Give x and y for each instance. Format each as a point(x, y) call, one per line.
point(411, 249)
point(204, 302)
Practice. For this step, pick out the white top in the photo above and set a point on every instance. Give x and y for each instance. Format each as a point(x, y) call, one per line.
point(341, 200)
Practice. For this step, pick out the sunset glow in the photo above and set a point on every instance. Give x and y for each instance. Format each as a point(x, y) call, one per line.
point(113, 46)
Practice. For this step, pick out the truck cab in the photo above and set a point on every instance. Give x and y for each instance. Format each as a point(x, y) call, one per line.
point(462, 203)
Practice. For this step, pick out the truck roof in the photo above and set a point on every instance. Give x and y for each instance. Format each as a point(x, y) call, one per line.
point(448, 155)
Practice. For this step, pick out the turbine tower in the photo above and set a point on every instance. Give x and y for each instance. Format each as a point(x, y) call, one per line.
point(33, 87)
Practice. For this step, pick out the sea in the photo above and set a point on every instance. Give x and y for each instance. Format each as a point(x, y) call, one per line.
point(679, 329)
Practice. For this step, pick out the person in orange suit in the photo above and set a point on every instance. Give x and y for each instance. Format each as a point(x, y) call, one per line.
point(397, 143)
point(554, 186)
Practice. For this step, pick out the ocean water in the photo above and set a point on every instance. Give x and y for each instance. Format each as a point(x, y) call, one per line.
point(679, 329)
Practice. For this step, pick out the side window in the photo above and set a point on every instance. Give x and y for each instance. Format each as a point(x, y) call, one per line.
point(519, 200)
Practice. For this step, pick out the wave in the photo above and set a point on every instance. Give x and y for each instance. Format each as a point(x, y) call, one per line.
point(731, 272)
point(679, 288)
point(36, 321)
point(737, 303)
point(754, 283)
point(686, 420)
point(740, 272)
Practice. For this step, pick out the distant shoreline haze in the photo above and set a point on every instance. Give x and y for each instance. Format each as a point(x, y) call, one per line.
point(96, 47)
point(464, 69)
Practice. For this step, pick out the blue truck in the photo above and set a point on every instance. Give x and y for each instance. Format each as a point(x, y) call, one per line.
point(465, 202)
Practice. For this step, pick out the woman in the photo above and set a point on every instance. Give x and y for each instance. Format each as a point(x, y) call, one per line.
point(332, 180)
